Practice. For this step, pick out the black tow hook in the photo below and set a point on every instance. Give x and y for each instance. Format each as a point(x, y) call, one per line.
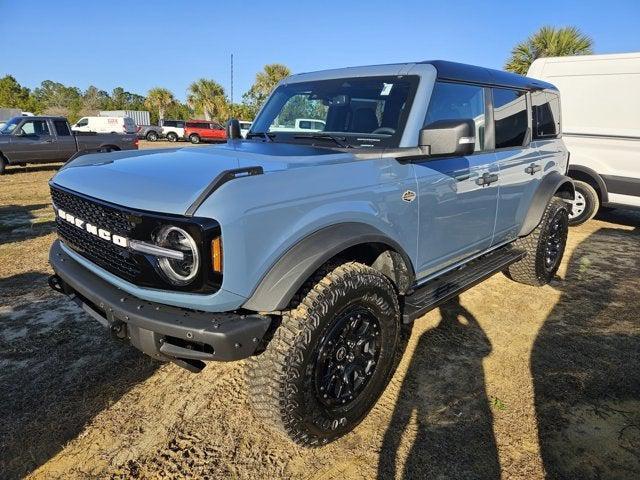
point(118, 329)
point(55, 282)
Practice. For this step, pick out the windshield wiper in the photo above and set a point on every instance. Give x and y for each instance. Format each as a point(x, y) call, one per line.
point(325, 136)
point(268, 136)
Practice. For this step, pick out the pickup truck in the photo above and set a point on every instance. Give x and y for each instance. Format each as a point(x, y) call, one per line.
point(50, 139)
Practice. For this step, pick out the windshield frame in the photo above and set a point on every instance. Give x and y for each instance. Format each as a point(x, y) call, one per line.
point(12, 122)
point(358, 140)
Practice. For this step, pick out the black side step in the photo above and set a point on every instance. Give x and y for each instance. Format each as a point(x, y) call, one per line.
point(450, 284)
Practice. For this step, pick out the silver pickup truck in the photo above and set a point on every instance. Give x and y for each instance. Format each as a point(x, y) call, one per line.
point(50, 139)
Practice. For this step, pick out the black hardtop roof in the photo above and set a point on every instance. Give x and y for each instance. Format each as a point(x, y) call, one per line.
point(471, 73)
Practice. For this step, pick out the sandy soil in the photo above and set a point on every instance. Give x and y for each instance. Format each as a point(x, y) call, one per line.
point(510, 382)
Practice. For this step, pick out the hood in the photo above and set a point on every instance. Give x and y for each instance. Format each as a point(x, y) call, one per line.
point(170, 180)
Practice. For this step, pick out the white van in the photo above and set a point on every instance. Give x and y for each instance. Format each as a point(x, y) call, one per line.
point(601, 126)
point(105, 125)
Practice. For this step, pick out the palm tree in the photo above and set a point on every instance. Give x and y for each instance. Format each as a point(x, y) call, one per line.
point(548, 42)
point(208, 96)
point(159, 99)
point(265, 82)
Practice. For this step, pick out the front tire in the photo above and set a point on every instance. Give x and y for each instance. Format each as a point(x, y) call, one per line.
point(193, 138)
point(172, 137)
point(585, 205)
point(543, 247)
point(332, 356)
point(3, 165)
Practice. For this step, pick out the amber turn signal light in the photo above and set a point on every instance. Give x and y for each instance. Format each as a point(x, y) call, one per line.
point(216, 254)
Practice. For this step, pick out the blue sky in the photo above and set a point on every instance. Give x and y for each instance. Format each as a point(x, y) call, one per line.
point(139, 45)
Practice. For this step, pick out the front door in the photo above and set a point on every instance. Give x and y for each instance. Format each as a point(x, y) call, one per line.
point(457, 196)
point(32, 141)
point(66, 142)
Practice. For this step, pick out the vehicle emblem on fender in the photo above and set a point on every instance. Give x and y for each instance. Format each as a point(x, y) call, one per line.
point(409, 196)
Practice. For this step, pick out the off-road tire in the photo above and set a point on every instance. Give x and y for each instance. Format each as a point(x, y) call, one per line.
point(172, 137)
point(590, 203)
point(152, 136)
point(534, 269)
point(3, 164)
point(283, 381)
point(193, 138)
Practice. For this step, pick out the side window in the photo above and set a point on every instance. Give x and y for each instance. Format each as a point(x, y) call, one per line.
point(61, 128)
point(546, 114)
point(510, 114)
point(453, 101)
point(305, 124)
point(83, 122)
point(35, 127)
point(179, 124)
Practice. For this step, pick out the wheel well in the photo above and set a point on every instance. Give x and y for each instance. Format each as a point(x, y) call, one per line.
point(565, 191)
point(383, 258)
point(113, 148)
point(587, 178)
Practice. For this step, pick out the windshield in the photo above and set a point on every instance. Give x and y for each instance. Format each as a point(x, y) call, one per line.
point(358, 112)
point(10, 125)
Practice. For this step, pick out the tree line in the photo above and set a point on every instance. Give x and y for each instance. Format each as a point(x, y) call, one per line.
point(205, 98)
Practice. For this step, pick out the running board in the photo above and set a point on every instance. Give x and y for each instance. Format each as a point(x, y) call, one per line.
point(450, 284)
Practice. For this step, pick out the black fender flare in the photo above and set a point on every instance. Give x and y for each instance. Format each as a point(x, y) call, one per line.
point(552, 184)
point(604, 193)
point(296, 265)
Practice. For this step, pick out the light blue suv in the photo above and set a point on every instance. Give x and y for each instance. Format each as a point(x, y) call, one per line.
point(307, 249)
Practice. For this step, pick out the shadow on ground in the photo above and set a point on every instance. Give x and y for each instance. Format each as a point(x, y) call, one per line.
point(586, 362)
point(22, 222)
point(58, 369)
point(29, 168)
point(444, 394)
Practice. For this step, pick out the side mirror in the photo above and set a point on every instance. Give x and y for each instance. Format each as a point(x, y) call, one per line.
point(233, 129)
point(448, 137)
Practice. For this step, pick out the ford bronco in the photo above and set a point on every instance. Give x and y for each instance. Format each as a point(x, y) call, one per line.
point(308, 252)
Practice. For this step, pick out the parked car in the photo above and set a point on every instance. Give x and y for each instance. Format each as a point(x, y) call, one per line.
point(105, 125)
point(50, 139)
point(197, 131)
point(151, 133)
point(301, 125)
point(173, 130)
point(308, 251)
point(601, 123)
point(245, 126)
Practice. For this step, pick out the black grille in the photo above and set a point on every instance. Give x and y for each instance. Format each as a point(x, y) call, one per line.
point(106, 254)
point(116, 221)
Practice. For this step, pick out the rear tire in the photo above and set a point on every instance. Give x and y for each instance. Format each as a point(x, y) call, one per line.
point(193, 138)
point(152, 136)
point(172, 137)
point(585, 205)
point(332, 356)
point(544, 247)
point(3, 165)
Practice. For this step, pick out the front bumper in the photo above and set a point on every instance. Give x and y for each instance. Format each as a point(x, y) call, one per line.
point(186, 337)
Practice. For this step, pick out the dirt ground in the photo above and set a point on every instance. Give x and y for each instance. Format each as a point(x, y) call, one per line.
point(510, 382)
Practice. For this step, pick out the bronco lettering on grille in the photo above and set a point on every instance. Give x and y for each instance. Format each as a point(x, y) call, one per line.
point(93, 229)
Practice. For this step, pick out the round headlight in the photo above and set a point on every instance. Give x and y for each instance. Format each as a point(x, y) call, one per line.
point(179, 272)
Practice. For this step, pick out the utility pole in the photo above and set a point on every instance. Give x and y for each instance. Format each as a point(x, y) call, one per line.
point(232, 79)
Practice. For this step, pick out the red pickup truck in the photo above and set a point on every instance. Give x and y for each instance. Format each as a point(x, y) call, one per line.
point(197, 131)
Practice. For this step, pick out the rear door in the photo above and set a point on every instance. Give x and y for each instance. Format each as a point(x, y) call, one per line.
point(66, 142)
point(32, 141)
point(457, 207)
point(520, 165)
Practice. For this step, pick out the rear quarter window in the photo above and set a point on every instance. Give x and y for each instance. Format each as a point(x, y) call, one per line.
point(546, 114)
point(510, 116)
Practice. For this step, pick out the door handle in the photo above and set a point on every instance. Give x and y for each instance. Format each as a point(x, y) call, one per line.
point(532, 169)
point(487, 179)
point(48, 141)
